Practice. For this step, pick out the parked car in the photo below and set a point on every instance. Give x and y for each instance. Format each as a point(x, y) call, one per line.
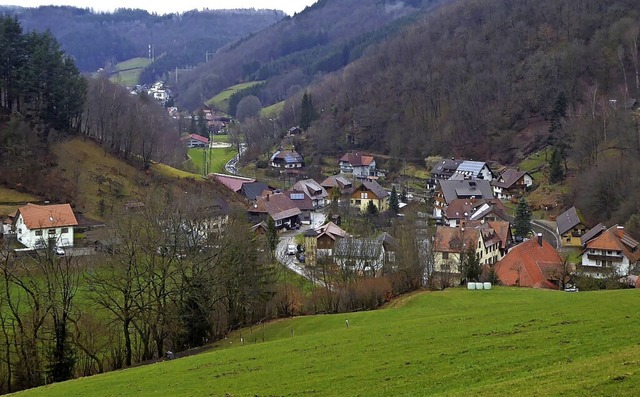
point(292, 249)
point(301, 257)
point(58, 250)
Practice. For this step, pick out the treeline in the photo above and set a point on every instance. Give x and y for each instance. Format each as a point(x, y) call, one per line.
point(173, 275)
point(46, 100)
point(38, 79)
point(322, 38)
point(134, 127)
point(98, 39)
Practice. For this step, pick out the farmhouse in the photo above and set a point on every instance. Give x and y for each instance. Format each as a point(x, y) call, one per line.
point(321, 241)
point(286, 159)
point(450, 190)
point(610, 252)
point(365, 256)
point(474, 170)
point(37, 226)
point(533, 263)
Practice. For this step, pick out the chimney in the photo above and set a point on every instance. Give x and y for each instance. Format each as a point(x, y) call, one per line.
point(540, 239)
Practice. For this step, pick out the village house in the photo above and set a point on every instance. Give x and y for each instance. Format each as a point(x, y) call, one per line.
point(321, 241)
point(339, 183)
point(38, 226)
point(360, 165)
point(450, 190)
point(512, 183)
point(571, 228)
point(365, 256)
point(473, 170)
point(287, 159)
point(609, 252)
point(449, 246)
point(301, 200)
point(277, 205)
point(533, 263)
point(195, 141)
point(314, 190)
point(232, 182)
point(252, 190)
point(370, 191)
point(460, 210)
point(442, 172)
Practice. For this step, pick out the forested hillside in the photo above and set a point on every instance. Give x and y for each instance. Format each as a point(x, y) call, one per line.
point(322, 38)
point(97, 40)
point(494, 80)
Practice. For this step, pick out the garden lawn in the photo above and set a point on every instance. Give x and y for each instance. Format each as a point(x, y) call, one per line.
point(505, 341)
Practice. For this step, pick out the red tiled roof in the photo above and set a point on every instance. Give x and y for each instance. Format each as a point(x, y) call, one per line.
point(449, 239)
point(357, 159)
point(232, 182)
point(616, 239)
point(530, 264)
point(47, 216)
point(198, 138)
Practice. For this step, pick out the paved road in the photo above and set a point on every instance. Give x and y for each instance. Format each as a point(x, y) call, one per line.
point(230, 167)
point(548, 230)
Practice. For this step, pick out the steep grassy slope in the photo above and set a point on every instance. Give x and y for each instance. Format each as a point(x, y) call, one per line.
point(500, 342)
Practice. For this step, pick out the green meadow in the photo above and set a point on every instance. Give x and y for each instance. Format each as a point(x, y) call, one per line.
point(128, 72)
point(221, 100)
point(219, 157)
point(504, 341)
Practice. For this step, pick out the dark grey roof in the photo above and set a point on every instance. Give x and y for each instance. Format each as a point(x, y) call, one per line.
point(568, 220)
point(454, 189)
point(446, 166)
point(253, 190)
point(593, 233)
point(376, 189)
point(358, 248)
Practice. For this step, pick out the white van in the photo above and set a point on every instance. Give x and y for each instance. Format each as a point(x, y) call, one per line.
point(292, 249)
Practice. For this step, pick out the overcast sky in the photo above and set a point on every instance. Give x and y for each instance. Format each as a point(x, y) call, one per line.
point(169, 6)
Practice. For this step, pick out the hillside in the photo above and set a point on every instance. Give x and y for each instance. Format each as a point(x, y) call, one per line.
point(177, 40)
point(99, 184)
point(500, 342)
point(322, 38)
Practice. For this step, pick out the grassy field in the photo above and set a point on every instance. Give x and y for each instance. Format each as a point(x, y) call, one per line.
point(505, 341)
point(128, 72)
point(219, 157)
point(221, 101)
point(11, 200)
point(272, 110)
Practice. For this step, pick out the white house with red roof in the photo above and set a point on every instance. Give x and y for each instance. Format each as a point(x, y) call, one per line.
point(37, 225)
point(360, 165)
point(195, 141)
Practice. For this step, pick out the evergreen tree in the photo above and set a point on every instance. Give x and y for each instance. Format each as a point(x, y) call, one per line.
point(471, 268)
point(193, 127)
point(522, 221)
point(202, 124)
point(371, 208)
point(394, 204)
point(307, 112)
point(556, 171)
point(272, 236)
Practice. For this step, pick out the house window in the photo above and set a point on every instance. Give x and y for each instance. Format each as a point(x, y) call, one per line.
point(445, 255)
point(279, 222)
point(38, 232)
point(357, 202)
point(65, 230)
point(363, 195)
point(51, 232)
